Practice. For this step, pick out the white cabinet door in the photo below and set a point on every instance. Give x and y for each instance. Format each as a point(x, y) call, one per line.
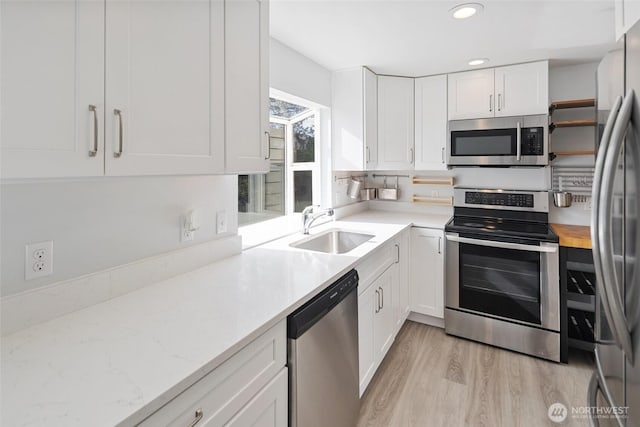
point(367, 310)
point(384, 322)
point(395, 123)
point(370, 90)
point(267, 409)
point(164, 87)
point(52, 71)
point(431, 122)
point(522, 89)
point(404, 265)
point(354, 119)
point(247, 85)
point(471, 95)
point(427, 271)
point(401, 305)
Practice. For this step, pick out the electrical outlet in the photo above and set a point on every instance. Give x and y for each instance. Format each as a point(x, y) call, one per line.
point(221, 222)
point(38, 260)
point(186, 233)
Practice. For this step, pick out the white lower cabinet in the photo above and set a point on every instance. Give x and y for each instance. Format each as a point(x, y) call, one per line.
point(376, 325)
point(427, 272)
point(250, 388)
point(267, 409)
point(401, 301)
point(383, 303)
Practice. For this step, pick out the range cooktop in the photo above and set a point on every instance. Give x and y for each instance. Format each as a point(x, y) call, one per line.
point(501, 228)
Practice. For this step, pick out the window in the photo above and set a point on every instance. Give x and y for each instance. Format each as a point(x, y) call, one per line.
point(293, 181)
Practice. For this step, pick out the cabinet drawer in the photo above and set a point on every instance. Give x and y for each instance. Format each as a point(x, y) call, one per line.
point(375, 264)
point(223, 392)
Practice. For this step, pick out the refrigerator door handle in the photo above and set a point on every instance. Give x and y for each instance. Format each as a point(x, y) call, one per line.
point(615, 309)
point(592, 401)
point(595, 200)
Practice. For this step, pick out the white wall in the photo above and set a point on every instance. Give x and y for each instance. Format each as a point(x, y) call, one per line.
point(99, 223)
point(295, 74)
point(573, 82)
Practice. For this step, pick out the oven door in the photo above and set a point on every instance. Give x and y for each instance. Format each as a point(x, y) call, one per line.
point(509, 281)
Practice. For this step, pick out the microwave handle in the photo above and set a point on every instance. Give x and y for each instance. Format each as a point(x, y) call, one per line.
point(505, 245)
point(518, 142)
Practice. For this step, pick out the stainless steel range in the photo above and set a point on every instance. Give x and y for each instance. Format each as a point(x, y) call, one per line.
point(502, 284)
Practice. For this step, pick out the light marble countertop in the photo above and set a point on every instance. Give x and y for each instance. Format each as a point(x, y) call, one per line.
point(119, 361)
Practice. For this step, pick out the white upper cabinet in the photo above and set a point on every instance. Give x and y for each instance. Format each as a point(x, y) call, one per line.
point(471, 94)
point(627, 13)
point(514, 90)
point(522, 89)
point(354, 118)
point(164, 87)
point(52, 71)
point(395, 123)
point(127, 87)
point(431, 122)
point(247, 74)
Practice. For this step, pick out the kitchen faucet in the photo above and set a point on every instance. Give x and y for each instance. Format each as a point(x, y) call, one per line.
point(308, 216)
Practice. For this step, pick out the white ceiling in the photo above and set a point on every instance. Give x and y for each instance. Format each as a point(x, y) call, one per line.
point(420, 37)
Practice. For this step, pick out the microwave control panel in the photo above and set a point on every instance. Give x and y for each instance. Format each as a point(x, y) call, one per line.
point(519, 200)
point(532, 141)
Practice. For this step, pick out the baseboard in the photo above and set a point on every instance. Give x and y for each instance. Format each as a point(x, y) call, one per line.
point(427, 320)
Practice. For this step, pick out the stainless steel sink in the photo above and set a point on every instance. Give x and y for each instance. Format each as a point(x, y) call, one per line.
point(333, 241)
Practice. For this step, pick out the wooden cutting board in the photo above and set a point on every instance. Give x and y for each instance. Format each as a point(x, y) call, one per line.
point(573, 236)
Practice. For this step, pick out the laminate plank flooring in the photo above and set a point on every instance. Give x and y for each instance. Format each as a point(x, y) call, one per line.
point(429, 379)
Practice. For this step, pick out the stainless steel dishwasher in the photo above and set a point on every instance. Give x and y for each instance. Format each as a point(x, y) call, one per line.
point(323, 358)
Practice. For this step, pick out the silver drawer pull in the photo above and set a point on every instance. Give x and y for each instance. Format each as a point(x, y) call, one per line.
point(118, 113)
point(196, 420)
point(94, 152)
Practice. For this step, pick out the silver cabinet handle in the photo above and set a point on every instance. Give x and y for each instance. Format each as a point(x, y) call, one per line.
point(412, 156)
point(550, 248)
point(196, 420)
point(368, 154)
point(595, 200)
point(378, 301)
point(398, 253)
point(615, 309)
point(382, 298)
point(268, 135)
point(94, 152)
point(118, 114)
point(518, 142)
point(491, 103)
point(442, 154)
point(499, 106)
point(439, 244)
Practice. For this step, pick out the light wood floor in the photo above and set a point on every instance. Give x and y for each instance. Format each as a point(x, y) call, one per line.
point(429, 379)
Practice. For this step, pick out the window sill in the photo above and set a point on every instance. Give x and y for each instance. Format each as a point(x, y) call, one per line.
point(266, 231)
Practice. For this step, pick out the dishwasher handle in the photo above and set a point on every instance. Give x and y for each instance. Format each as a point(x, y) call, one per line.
point(301, 320)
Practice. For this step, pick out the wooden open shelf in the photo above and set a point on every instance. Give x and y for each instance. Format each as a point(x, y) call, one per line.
point(571, 124)
point(573, 103)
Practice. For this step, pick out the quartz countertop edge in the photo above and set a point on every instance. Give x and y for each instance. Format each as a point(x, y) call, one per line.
point(101, 365)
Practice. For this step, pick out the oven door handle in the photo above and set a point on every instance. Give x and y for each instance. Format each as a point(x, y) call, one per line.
point(505, 245)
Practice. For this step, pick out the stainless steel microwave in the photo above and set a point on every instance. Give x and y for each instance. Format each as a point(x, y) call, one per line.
point(504, 141)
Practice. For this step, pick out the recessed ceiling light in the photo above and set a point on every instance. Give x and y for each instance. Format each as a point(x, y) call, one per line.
point(467, 10)
point(478, 61)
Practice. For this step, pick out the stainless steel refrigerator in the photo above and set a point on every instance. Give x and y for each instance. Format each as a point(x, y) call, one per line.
point(614, 390)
